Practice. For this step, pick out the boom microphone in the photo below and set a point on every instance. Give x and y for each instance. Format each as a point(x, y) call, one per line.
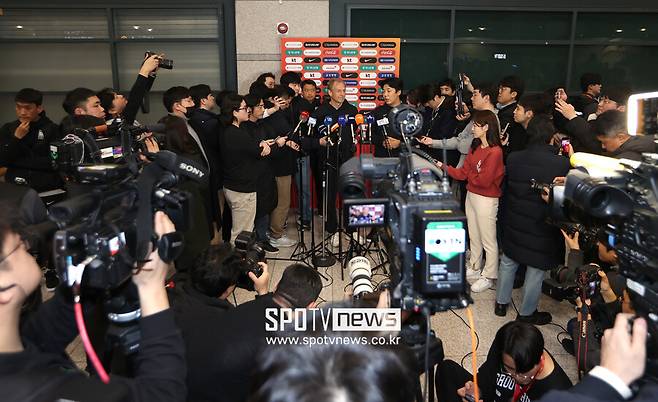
point(183, 166)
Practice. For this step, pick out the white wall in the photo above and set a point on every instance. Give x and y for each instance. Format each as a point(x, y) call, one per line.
point(257, 40)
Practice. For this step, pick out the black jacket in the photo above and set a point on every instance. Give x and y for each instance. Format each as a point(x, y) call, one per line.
point(442, 124)
point(208, 128)
point(635, 146)
point(593, 389)
point(498, 386)
point(527, 237)
point(583, 136)
point(232, 346)
point(585, 104)
point(279, 125)
point(347, 147)
point(266, 191)
point(43, 371)
point(518, 138)
point(382, 129)
point(29, 159)
point(139, 89)
point(193, 310)
point(240, 152)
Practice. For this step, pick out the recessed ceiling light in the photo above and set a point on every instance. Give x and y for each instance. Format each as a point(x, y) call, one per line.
point(643, 29)
point(136, 26)
point(19, 26)
point(619, 30)
point(470, 29)
point(150, 29)
point(481, 43)
point(482, 28)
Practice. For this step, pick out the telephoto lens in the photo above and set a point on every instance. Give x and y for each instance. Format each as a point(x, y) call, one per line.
point(361, 276)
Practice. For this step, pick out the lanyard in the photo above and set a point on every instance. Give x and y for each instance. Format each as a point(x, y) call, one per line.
point(519, 391)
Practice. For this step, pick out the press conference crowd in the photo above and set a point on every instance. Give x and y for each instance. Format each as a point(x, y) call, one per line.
point(280, 145)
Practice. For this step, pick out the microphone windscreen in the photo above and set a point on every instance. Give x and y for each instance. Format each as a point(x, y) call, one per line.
point(359, 118)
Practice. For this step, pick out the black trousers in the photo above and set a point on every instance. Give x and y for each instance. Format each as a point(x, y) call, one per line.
point(449, 377)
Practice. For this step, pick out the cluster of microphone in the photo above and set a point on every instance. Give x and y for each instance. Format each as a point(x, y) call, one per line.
point(329, 128)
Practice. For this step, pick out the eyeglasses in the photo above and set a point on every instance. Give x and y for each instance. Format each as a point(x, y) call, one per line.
point(243, 108)
point(513, 373)
point(20, 243)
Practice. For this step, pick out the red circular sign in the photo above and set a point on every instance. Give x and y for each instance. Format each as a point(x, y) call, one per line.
point(282, 28)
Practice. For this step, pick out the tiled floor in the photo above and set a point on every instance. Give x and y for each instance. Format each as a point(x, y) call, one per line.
point(449, 328)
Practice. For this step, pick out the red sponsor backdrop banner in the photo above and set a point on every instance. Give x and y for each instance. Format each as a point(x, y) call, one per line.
point(360, 62)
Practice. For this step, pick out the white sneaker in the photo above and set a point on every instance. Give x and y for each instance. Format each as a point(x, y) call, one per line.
point(283, 241)
point(481, 285)
point(472, 274)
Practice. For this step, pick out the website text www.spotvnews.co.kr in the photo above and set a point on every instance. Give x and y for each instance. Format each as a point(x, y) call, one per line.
point(307, 327)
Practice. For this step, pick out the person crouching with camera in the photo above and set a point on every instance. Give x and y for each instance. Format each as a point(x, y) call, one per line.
point(605, 296)
point(33, 361)
point(240, 156)
point(483, 170)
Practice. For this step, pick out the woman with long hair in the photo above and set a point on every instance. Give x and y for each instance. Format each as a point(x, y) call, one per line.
point(483, 171)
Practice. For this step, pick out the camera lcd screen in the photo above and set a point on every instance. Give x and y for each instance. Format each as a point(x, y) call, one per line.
point(360, 215)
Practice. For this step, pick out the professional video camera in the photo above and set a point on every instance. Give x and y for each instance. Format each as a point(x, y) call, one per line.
point(247, 248)
point(106, 233)
point(100, 144)
point(426, 233)
point(622, 197)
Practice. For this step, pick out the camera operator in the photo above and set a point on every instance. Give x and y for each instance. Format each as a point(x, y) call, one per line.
point(335, 107)
point(513, 136)
point(25, 144)
point(117, 106)
point(527, 238)
point(386, 145)
point(517, 369)
point(203, 300)
point(80, 102)
point(623, 360)
point(483, 170)
point(612, 131)
point(33, 363)
point(240, 154)
point(235, 341)
point(600, 311)
point(443, 121)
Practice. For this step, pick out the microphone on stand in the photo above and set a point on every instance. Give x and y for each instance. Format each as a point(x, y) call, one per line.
point(370, 119)
point(352, 121)
point(361, 122)
point(312, 121)
point(342, 120)
point(303, 118)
